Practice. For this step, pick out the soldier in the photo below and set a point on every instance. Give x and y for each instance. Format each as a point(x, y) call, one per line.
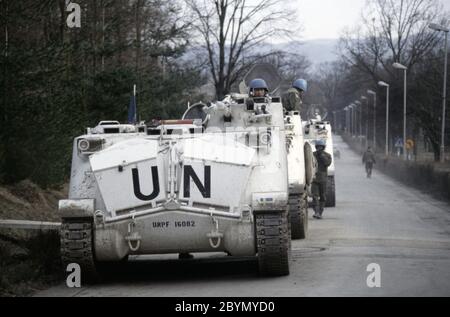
point(369, 159)
point(319, 185)
point(294, 96)
point(258, 88)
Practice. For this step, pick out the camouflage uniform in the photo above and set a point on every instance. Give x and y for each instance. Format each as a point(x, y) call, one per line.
point(369, 159)
point(293, 99)
point(319, 185)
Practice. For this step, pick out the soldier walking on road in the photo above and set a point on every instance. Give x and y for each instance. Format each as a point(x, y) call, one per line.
point(319, 185)
point(369, 159)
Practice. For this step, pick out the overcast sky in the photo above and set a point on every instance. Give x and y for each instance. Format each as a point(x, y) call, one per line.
point(324, 19)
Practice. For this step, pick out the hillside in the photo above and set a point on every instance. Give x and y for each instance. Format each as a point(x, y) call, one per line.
point(28, 201)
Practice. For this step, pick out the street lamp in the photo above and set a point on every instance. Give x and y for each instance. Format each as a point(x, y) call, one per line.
point(334, 121)
point(404, 68)
point(350, 107)
point(359, 104)
point(383, 84)
point(374, 94)
point(367, 120)
point(340, 120)
point(346, 119)
point(354, 125)
point(441, 28)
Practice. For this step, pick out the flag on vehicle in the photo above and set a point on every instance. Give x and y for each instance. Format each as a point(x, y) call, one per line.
point(132, 108)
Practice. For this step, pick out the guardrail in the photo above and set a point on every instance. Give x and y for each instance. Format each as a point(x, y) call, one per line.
point(29, 225)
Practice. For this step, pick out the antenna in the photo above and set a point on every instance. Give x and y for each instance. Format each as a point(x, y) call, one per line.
point(135, 103)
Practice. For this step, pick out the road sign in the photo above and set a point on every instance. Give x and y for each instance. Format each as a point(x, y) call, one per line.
point(399, 142)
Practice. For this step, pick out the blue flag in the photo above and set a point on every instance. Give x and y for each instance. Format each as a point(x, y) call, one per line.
point(132, 110)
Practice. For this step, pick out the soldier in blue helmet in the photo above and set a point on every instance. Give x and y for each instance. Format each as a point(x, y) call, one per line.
point(319, 185)
point(294, 96)
point(258, 88)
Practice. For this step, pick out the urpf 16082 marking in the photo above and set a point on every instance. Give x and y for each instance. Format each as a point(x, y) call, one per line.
point(175, 224)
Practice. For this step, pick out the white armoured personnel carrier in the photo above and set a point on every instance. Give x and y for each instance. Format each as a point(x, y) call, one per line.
point(215, 181)
point(301, 170)
point(315, 129)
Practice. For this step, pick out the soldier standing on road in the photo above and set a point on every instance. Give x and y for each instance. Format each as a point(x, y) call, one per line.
point(369, 159)
point(319, 185)
point(294, 96)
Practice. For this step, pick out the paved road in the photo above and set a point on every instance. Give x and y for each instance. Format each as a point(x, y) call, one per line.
point(377, 220)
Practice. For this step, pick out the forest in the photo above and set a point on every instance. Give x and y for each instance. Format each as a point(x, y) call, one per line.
point(56, 80)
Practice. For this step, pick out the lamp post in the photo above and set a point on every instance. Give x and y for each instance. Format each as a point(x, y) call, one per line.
point(404, 68)
point(359, 105)
point(383, 84)
point(354, 120)
point(334, 120)
point(351, 119)
point(346, 119)
point(374, 94)
point(441, 28)
point(366, 143)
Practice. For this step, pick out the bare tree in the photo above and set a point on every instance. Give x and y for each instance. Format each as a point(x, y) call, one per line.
point(292, 65)
point(391, 30)
point(230, 28)
point(397, 31)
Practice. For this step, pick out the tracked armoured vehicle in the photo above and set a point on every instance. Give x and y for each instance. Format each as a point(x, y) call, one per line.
point(301, 170)
point(301, 162)
point(215, 181)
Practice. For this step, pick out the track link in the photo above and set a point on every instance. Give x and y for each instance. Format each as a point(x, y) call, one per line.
point(273, 243)
point(77, 247)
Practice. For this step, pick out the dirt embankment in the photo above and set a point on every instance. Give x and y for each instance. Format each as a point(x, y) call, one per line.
point(27, 201)
point(29, 259)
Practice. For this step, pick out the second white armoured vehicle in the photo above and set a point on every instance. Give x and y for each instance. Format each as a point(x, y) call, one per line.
point(301, 170)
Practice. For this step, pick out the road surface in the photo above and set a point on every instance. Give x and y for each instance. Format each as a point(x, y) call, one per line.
point(376, 220)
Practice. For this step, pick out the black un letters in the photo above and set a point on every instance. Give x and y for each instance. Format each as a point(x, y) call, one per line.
point(189, 173)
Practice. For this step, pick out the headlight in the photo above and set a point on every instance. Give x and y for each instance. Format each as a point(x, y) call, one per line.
point(90, 145)
point(265, 138)
point(83, 145)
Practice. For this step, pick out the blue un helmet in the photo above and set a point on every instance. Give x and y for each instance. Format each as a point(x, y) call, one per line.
point(321, 142)
point(300, 84)
point(258, 84)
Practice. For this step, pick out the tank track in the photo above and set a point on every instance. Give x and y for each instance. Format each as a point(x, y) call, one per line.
point(273, 243)
point(77, 247)
point(331, 192)
point(298, 213)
